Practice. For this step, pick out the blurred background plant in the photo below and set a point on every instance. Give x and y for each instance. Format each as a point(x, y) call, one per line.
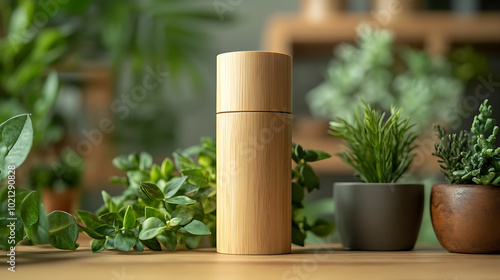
point(385, 74)
point(45, 45)
point(58, 183)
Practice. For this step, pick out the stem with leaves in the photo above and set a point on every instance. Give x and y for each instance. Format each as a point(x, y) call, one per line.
point(305, 179)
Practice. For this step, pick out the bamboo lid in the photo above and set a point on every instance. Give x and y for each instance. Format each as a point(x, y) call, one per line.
point(254, 81)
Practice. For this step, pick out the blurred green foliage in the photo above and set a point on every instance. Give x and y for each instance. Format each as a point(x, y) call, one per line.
point(384, 74)
point(65, 173)
point(37, 37)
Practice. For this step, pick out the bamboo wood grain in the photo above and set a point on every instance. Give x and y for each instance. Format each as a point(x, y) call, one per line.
point(253, 153)
point(254, 81)
point(254, 183)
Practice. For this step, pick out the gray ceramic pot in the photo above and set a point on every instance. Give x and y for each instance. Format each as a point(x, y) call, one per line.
point(378, 217)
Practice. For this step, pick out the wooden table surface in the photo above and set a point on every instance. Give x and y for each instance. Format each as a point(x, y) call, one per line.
point(327, 261)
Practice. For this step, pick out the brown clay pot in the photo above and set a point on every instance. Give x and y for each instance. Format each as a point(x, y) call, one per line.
point(66, 201)
point(466, 218)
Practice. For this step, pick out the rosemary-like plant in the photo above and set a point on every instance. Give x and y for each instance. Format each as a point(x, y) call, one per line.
point(379, 148)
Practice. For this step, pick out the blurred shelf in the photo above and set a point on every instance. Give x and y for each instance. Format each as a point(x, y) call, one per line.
point(436, 31)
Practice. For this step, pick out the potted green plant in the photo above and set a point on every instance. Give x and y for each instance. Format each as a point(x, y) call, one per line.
point(377, 213)
point(465, 212)
point(59, 182)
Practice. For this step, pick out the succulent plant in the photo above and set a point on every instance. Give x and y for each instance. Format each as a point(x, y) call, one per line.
point(471, 157)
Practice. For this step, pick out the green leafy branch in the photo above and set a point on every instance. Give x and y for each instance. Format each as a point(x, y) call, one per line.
point(305, 179)
point(159, 205)
point(21, 213)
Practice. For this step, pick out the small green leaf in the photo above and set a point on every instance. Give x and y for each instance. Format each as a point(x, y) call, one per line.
point(174, 222)
point(105, 230)
point(152, 244)
point(89, 219)
point(309, 178)
point(205, 192)
point(186, 215)
point(155, 174)
point(110, 218)
point(188, 189)
point(110, 242)
point(138, 246)
point(38, 233)
point(182, 162)
point(151, 228)
point(167, 168)
point(29, 209)
point(153, 212)
point(310, 156)
point(63, 230)
point(174, 185)
point(91, 233)
point(205, 161)
point(197, 176)
point(197, 228)
point(181, 199)
point(146, 161)
point(16, 138)
point(135, 177)
point(123, 163)
point(98, 245)
point(316, 154)
point(168, 239)
point(118, 180)
point(129, 219)
point(298, 237)
point(125, 241)
point(109, 202)
point(209, 205)
point(299, 152)
point(134, 159)
point(322, 228)
point(152, 191)
point(49, 92)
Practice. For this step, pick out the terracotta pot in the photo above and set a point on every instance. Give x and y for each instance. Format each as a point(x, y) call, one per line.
point(378, 216)
point(65, 201)
point(466, 218)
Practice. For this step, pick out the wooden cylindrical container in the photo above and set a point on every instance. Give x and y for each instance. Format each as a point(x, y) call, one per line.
point(254, 105)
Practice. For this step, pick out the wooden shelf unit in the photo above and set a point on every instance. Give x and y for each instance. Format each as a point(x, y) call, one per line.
point(437, 31)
